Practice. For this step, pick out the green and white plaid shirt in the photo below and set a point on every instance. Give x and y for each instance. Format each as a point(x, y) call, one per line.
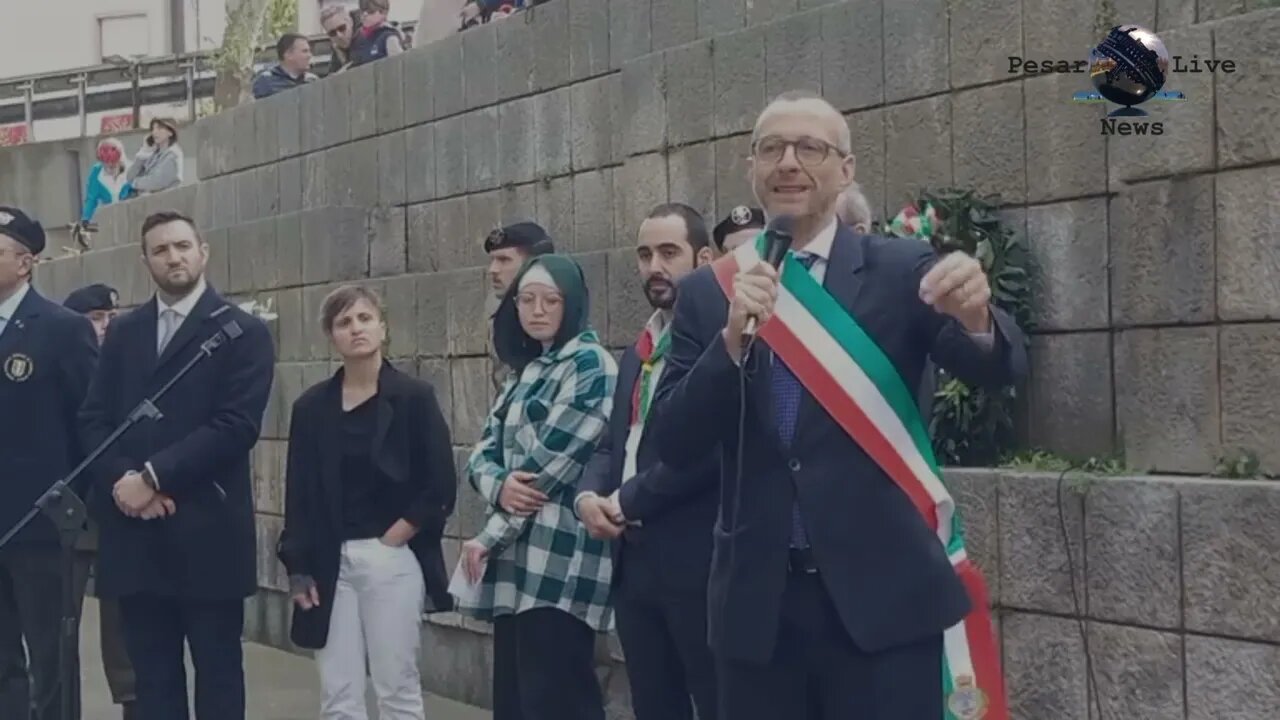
point(547, 421)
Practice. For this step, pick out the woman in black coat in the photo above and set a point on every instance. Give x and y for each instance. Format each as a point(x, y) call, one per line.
point(370, 482)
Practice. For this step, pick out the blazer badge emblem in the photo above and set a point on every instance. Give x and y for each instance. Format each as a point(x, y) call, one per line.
point(18, 367)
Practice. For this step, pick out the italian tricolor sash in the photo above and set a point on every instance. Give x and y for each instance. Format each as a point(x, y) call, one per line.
point(853, 380)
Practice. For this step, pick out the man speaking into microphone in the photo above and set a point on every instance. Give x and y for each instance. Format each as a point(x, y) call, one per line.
point(175, 500)
point(831, 582)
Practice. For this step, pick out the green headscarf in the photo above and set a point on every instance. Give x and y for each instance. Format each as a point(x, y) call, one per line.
point(515, 347)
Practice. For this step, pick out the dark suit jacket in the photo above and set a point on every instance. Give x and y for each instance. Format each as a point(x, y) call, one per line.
point(677, 507)
point(199, 450)
point(412, 448)
point(886, 573)
point(47, 355)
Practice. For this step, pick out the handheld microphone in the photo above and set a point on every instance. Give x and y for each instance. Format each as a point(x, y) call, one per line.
point(777, 241)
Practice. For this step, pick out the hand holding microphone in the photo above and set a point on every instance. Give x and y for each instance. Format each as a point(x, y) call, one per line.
point(756, 290)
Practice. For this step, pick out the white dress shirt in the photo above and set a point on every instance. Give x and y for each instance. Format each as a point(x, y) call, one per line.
point(9, 307)
point(182, 309)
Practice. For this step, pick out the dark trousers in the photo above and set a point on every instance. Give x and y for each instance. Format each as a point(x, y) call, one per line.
point(544, 668)
point(115, 654)
point(663, 630)
point(816, 672)
point(31, 610)
point(155, 629)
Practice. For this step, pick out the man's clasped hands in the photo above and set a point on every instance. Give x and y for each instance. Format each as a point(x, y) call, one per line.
point(137, 499)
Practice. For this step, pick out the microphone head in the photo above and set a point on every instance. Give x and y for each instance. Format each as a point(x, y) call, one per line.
point(781, 225)
point(777, 239)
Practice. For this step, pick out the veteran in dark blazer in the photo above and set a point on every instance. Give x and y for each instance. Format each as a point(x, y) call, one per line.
point(829, 593)
point(174, 497)
point(47, 355)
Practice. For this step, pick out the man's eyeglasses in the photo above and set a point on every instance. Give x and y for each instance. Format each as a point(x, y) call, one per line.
point(809, 151)
point(340, 30)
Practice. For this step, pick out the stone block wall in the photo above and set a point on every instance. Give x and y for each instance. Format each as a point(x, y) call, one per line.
point(1159, 308)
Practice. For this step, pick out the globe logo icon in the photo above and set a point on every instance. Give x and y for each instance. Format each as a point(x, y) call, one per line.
point(1128, 68)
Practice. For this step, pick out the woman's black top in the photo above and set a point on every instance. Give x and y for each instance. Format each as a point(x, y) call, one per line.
point(367, 505)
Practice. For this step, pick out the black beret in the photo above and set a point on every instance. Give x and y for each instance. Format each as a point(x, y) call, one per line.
point(527, 236)
point(93, 297)
point(739, 218)
point(16, 224)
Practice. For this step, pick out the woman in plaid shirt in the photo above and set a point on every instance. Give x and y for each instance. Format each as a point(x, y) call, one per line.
point(543, 581)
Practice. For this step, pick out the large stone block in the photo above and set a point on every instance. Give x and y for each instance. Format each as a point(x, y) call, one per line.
point(550, 30)
point(1231, 574)
point(244, 150)
point(1246, 100)
point(431, 326)
point(987, 141)
point(688, 82)
point(592, 130)
point(240, 260)
point(1231, 679)
point(288, 259)
point(1162, 254)
point(481, 126)
point(739, 69)
point(315, 190)
point(691, 172)
point(515, 58)
point(484, 215)
point(1186, 142)
point(1068, 242)
point(1138, 671)
point(392, 170)
point(1246, 362)
point(387, 253)
point(1248, 254)
point(421, 243)
point(984, 34)
point(362, 100)
point(316, 345)
point(639, 185)
point(915, 49)
point(288, 126)
point(793, 52)
point(264, 253)
point(480, 58)
point(517, 141)
point(1134, 559)
point(1064, 144)
point(336, 97)
point(335, 245)
point(1167, 406)
point(435, 372)
point(354, 178)
point(389, 85)
point(1069, 394)
point(588, 38)
point(866, 133)
point(458, 665)
point(1037, 568)
point(420, 163)
point(311, 117)
point(417, 81)
point(447, 70)
point(644, 105)
point(468, 323)
point(517, 203)
point(917, 148)
point(732, 162)
point(760, 12)
point(553, 129)
point(628, 309)
point(217, 269)
point(268, 463)
point(975, 493)
point(451, 155)
point(674, 23)
point(292, 315)
point(595, 267)
point(265, 128)
point(593, 210)
point(1045, 668)
point(454, 240)
point(289, 191)
point(469, 514)
point(853, 54)
point(1067, 29)
point(402, 315)
point(248, 196)
point(1175, 14)
point(721, 17)
point(472, 393)
point(555, 207)
point(206, 147)
point(271, 573)
point(630, 30)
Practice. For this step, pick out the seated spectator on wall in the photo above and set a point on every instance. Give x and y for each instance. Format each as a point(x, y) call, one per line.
point(158, 165)
point(292, 71)
point(376, 38)
point(340, 24)
point(107, 182)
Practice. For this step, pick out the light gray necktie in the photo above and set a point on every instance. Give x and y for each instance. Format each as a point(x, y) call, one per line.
point(168, 325)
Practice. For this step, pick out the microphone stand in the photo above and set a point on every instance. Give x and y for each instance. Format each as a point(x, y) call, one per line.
point(66, 510)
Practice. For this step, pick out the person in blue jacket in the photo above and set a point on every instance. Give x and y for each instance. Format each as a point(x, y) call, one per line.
point(107, 182)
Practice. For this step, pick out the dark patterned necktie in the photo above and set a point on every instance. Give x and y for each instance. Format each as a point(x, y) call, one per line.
point(786, 405)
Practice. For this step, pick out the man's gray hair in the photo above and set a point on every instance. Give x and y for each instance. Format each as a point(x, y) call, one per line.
point(853, 208)
point(816, 102)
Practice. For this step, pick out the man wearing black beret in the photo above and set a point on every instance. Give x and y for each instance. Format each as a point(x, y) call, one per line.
point(98, 302)
point(47, 356)
point(740, 225)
